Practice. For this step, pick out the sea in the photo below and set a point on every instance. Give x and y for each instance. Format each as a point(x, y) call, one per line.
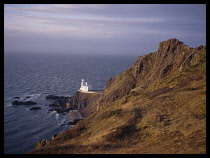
point(31, 76)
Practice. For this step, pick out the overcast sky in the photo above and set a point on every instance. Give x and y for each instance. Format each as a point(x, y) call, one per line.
point(101, 28)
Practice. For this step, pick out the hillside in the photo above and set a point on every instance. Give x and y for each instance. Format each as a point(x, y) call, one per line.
point(157, 106)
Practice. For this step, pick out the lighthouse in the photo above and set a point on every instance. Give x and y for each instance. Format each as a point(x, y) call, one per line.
point(85, 86)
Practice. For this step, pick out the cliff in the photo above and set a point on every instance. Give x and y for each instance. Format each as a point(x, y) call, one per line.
point(149, 70)
point(157, 106)
point(85, 102)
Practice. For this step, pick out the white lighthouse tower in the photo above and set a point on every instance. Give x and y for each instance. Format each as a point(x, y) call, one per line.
point(85, 86)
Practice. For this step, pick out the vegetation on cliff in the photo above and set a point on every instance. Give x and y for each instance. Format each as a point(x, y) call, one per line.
point(157, 106)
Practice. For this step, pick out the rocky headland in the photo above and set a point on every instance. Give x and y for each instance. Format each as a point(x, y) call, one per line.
point(157, 106)
point(81, 101)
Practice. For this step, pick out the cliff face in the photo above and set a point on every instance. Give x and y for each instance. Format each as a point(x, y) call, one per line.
point(173, 56)
point(77, 101)
point(157, 106)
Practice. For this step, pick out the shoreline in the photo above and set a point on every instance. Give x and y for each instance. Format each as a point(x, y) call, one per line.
point(75, 113)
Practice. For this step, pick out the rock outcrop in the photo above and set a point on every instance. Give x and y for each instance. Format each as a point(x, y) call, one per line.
point(77, 101)
point(44, 142)
point(172, 57)
point(54, 97)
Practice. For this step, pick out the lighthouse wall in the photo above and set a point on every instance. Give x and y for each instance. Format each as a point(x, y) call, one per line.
point(84, 88)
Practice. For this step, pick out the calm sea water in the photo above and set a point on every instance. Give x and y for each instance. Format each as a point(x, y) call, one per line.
point(33, 77)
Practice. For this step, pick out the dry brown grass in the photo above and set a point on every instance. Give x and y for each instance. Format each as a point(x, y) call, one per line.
point(167, 124)
point(170, 124)
point(167, 117)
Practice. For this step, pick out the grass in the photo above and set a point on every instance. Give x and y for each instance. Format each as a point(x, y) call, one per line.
point(116, 113)
point(173, 122)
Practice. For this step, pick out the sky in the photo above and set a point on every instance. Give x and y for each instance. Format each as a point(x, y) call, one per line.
point(121, 29)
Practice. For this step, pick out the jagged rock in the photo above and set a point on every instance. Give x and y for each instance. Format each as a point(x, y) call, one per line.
point(60, 102)
point(53, 137)
point(42, 143)
point(16, 102)
point(35, 108)
point(54, 97)
point(77, 101)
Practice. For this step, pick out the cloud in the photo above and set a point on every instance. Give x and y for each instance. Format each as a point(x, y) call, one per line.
point(106, 26)
point(51, 20)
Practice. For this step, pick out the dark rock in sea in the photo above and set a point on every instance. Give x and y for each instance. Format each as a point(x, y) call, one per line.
point(16, 102)
point(54, 97)
point(30, 103)
point(35, 108)
point(16, 97)
point(28, 97)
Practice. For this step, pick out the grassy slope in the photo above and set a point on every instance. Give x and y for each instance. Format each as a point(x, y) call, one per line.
point(167, 117)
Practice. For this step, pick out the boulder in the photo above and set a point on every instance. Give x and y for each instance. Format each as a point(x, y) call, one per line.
point(42, 143)
point(16, 102)
point(54, 136)
point(54, 97)
point(35, 108)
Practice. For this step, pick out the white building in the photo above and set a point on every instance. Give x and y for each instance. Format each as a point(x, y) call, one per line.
point(85, 86)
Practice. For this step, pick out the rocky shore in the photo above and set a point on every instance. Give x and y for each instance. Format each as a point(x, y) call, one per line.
point(78, 101)
point(62, 104)
point(73, 106)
